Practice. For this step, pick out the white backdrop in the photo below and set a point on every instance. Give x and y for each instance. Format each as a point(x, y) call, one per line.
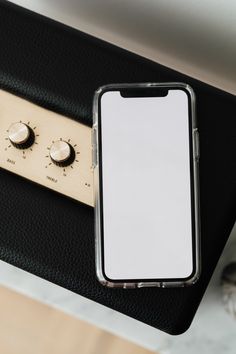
point(194, 37)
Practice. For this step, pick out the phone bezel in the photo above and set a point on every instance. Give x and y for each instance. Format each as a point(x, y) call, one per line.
point(98, 185)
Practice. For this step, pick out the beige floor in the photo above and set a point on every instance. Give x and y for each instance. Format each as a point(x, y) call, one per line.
point(30, 327)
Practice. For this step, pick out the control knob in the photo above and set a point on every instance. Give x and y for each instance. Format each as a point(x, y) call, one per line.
point(21, 135)
point(62, 153)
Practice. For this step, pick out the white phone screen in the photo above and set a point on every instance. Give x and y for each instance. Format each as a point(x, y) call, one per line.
point(146, 186)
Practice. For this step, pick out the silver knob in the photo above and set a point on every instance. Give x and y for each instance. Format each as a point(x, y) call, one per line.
point(21, 135)
point(62, 153)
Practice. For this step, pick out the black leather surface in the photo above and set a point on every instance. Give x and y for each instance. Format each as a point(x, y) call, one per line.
point(52, 236)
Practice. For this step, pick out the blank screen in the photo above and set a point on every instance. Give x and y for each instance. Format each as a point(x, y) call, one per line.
point(147, 228)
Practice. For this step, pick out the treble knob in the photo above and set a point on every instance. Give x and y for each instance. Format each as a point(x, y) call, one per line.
point(21, 135)
point(62, 153)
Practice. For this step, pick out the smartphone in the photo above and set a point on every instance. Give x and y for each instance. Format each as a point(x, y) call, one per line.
point(145, 146)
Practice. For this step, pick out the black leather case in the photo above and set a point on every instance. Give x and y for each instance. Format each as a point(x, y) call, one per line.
point(51, 236)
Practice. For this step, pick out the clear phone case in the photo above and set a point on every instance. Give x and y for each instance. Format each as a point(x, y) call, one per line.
point(98, 191)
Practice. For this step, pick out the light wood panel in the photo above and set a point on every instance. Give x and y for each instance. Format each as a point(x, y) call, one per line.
point(30, 327)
